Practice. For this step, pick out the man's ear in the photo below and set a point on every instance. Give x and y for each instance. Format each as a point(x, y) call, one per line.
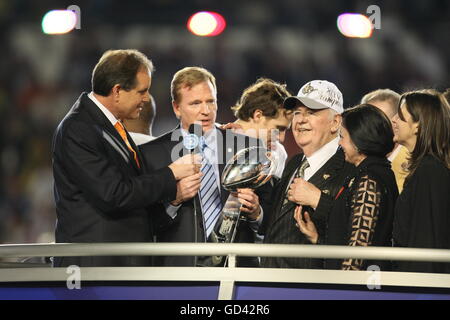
point(116, 92)
point(337, 122)
point(257, 115)
point(176, 109)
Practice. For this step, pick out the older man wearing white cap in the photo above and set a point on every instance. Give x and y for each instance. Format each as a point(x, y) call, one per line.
point(317, 120)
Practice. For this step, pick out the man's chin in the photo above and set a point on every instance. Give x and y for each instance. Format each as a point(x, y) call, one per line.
point(135, 115)
point(207, 126)
point(300, 140)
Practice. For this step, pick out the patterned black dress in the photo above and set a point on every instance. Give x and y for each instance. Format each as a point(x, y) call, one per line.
point(362, 214)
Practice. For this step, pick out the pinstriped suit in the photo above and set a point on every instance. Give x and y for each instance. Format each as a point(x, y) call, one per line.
point(281, 229)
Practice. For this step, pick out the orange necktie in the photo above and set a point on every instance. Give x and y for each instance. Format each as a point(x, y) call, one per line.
point(121, 130)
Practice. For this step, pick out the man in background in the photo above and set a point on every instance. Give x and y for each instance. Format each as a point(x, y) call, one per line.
point(140, 129)
point(260, 113)
point(387, 101)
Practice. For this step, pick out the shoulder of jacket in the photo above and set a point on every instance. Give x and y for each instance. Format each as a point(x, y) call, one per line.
point(429, 165)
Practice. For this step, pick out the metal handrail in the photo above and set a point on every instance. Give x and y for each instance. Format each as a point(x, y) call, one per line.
point(234, 249)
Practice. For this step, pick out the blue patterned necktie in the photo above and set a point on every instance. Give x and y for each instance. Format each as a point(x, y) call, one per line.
point(209, 191)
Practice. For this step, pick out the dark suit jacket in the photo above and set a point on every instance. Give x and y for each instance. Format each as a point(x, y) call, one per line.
point(188, 226)
point(281, 228)
point(100, 192)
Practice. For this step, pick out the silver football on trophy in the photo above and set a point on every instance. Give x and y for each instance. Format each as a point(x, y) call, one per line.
point(249, 168)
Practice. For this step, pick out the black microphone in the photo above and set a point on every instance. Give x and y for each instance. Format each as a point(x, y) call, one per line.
point(192, 141)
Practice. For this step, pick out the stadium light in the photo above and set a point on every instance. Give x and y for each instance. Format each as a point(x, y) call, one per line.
point(59, 22)
point(354, 25)
point(206, 24)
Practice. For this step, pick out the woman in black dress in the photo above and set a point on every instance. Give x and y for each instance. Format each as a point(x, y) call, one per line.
point(362, 213)
point(422, 213)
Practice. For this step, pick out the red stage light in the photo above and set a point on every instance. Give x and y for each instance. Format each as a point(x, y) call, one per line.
point(206, 24)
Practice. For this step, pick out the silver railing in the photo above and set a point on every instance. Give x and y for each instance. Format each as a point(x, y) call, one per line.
point(229, 249)
point(227, 277)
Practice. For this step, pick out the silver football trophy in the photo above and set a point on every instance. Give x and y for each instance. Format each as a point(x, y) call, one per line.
point(249, 168)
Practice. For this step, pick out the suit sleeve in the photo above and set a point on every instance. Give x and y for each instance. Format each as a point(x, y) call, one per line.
point(265, 194)
point(101, 180)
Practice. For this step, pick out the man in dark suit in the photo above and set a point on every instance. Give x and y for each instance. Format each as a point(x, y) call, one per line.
point(315, 127)
point(100, 190)
point(194, 215)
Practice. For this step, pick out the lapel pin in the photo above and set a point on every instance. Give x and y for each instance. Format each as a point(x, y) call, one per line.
point(326, 191)
point(326, 176)
point(351, 182)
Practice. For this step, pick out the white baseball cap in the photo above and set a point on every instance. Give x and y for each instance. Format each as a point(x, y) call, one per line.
point(317, 94)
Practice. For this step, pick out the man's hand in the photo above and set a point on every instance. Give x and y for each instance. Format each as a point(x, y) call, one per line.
point(304, 193)
point(250, 203)
point(232, 126)
point(186, 166)
point(307, 227)
point(187, 188)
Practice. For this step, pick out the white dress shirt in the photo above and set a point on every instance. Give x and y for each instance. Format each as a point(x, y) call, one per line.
point(105, 111)
point(317, 160)
point(320, 157)
point(140, 138)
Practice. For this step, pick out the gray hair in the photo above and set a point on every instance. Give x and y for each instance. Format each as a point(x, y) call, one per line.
point(382, 95)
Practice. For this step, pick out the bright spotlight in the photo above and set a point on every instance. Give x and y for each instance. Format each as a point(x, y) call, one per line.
point(206, 24)
point(354, 25)
point(59, 21)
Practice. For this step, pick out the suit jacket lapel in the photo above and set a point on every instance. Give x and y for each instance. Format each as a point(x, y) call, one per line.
point(223, 153)
point(327, 172)
point(283, 186)
point(130, 154)
point(319, 179)
point(110, 133)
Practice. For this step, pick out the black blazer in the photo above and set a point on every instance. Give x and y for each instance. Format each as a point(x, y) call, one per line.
point(186, 226)
point(422, 214)
point(100, 192)
point(281, 228)
point(363, 213)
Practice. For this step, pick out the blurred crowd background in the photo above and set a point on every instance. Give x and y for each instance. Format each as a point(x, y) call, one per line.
point(290, 41)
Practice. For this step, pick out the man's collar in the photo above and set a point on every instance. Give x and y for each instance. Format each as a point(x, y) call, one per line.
point(326, 151)
point(105, 111)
